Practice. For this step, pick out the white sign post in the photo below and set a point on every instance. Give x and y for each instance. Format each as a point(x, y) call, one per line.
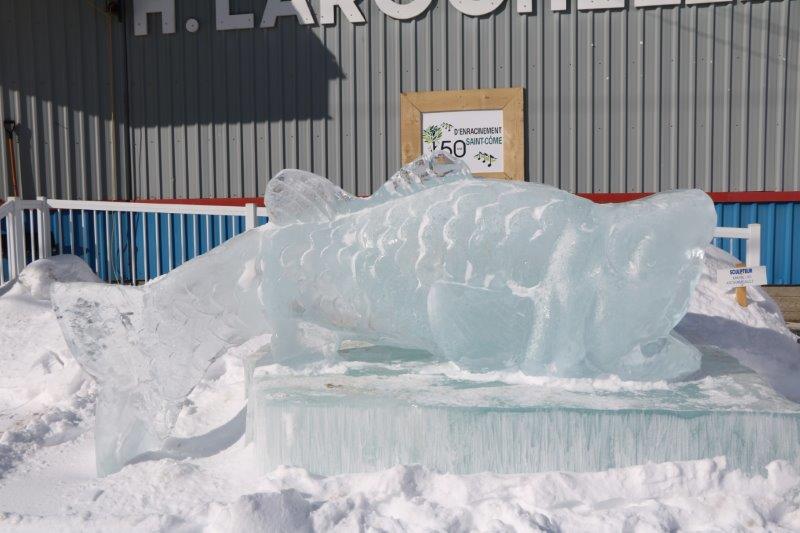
point(476, 136)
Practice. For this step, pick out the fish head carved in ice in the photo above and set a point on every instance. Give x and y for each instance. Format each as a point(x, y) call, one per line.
point(489, 274)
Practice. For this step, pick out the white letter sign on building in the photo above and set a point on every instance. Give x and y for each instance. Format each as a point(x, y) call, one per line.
point(399, 11)
point(396, 9)
point(227, 21)
point(327, 14)
point(286, 8)
point(476, 8)
point(142, 8)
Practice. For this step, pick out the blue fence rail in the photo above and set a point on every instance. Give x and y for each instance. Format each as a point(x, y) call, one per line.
point(135, 247)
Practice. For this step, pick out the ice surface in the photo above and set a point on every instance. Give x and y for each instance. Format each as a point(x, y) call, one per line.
point(372, 416)
point(488, 274)
point(147, 347)
point(491, 275)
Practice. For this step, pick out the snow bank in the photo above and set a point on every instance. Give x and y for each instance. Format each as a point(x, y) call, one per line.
point(756, 335)
point(40, 275)
point(713, 300)
point(698, 495)
point(219, 495)
point(34, 358)
point(267, 512)
point(45, 397)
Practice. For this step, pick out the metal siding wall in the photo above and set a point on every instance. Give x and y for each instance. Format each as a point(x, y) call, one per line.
point(617, 101)
point(635, 99)
point(54, 81)
point(780, 236)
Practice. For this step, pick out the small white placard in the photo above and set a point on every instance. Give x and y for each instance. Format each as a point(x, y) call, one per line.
point(474, 136)
point(742, 276)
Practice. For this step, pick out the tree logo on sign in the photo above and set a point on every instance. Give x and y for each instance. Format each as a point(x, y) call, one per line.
point(432, 134)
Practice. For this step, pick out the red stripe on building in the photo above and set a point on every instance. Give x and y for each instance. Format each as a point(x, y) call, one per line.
point(745, 197)
point(259, 201)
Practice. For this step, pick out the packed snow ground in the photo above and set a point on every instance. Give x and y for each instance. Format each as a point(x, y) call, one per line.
point(48, 482)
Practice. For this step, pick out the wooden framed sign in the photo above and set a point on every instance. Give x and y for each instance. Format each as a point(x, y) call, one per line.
point(484, 127)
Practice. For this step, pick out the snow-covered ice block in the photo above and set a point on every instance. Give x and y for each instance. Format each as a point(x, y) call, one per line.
point(374, 416)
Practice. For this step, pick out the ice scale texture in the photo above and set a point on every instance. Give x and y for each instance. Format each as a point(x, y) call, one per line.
point(487, 274)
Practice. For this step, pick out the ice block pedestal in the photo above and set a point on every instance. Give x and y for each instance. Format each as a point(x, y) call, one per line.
point(375, 416)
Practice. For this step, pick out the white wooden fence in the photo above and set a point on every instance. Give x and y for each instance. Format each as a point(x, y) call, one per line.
point(24, 230)
point(752, 236)
point(135, 242)
point(123, 242)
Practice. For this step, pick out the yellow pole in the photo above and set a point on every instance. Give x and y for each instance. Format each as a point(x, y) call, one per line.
point(741, 292)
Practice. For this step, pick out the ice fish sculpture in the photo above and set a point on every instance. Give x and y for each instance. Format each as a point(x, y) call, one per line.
point(488, 274)
point(147, 347)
